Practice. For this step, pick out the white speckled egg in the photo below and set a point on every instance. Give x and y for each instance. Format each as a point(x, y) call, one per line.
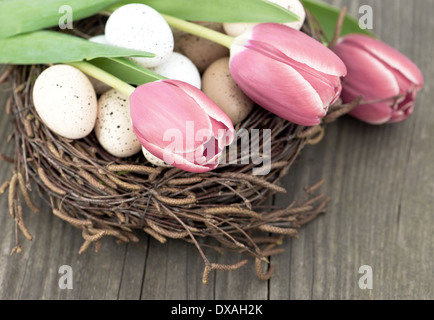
point(154, 160)
point(66, 101)
point(113, 127)
point(140, 27)
point(99, 86)
point(295, 6)
point(179, 67)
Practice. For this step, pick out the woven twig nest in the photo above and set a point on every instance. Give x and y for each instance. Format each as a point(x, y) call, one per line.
point(107, 196)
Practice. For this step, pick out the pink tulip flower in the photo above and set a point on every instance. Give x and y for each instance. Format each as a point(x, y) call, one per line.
point(180, 125)
point(287, 72)
point(386, 79)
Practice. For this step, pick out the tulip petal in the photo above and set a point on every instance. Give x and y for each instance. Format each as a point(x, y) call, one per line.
point(221, 133)
point(277, 87)
point(363, 74)
point(388, 55)
point(374, 113)
point(299, 47)
point(404, 108)
point(160, 106)
point(328, 87)
point(205, 102)
point(404, 114)
point(404, 84)
point(212, 151)
point(174, 159)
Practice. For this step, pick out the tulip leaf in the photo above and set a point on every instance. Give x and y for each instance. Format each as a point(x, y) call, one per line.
point(126, 70)
point(21, 16)
point(44, 46)
point(220, 10)
point(327, 16)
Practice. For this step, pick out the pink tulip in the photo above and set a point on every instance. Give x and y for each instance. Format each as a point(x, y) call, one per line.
point(180, 125)
point(287, 72)
point(379, 73)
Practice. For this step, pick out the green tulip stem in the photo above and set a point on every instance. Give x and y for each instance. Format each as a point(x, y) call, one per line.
point(103, 76)
point(200, 31)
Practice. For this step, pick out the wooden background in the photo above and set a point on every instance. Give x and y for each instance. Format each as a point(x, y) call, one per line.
point(380, 179)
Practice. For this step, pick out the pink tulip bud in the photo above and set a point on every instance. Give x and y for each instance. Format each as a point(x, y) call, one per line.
point(287, 72)
point(386, 79)
point(180, 125)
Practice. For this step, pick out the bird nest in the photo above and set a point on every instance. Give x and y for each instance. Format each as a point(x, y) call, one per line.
point(107, 196)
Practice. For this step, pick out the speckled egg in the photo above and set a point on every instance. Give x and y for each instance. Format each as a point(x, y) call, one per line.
point(113, 127)
point(65, 101)
point(154, 160)
point(218, 84)
point(295, 6)
point(179, 67)
point(200, 51)
point(140, 27)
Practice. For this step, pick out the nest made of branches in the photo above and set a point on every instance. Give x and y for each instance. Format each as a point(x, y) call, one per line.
point(108, 196)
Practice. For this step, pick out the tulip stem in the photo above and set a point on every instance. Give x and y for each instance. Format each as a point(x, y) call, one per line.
point(200, 31)
point(104, 76)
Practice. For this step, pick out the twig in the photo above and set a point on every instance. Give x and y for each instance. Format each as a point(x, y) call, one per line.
point(338, 28)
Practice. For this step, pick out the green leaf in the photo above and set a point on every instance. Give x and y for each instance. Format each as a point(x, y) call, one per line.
point(327, 16)
point(220, 10)
point(126, 70)
point(20, 16)
point(41, 47)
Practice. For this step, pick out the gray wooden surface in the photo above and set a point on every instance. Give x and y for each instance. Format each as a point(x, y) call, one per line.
point(380, 179)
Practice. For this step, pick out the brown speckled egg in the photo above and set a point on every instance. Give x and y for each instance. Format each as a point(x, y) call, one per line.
point(113, 127)
point(218, 84)
point(66, 101)
point(200, 51)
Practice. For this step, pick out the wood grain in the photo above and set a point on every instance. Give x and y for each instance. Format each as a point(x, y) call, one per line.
point(380, 179)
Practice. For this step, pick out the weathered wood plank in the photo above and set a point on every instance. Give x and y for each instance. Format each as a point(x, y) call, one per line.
point(381, 183)
point(134, 266)
point(415, 222)
point(241, 284)
point(174, 271)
